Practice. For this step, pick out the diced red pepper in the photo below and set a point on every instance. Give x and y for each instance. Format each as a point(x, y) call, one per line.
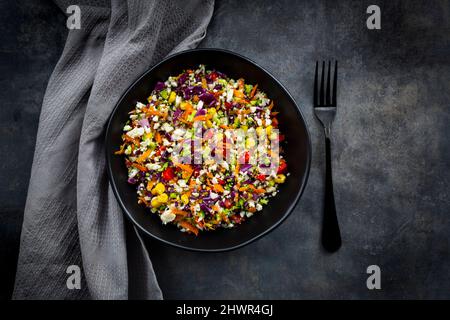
point(227, 203)
point(261, 177)
point(213, 76)
point(221, 182)
point(160, 150)
point(281, 137)
point(168, 174)
point(282, 168)
point(274, 122)
point(246, 157)
point(236, 218)
point(196, 172)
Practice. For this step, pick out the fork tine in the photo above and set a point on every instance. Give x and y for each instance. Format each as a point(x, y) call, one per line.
point(316, 84)
point(328, 100)
point(322, 94)
point(335, 83)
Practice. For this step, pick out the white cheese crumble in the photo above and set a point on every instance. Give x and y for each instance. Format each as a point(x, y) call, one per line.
point(153, 166)
point(167, 127)
point(167, 216)
point(136, 132)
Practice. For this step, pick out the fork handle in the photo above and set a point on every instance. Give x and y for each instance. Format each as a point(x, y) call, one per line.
point(331, 235)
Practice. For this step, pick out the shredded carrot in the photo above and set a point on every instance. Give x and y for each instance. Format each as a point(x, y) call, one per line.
point(184, 167)
point(179, 212)
point(236, 169)
point(130, 139)
point(218, 93)
point(202, 118)
point(122, 149)
point(140, 167)
point(195, 98)
point(188, 227)
point(178, 218)
point(270, 105)
point(150, 185)
point(143, 156)
point(144, 201)
point(260, 190)
point(200, 224)
point(253, 92)
point(241, 84)
point(204, 84)
point(158, 137)
point(151, 111)
point(186, 115)
point(218, 188)
point(186, 175)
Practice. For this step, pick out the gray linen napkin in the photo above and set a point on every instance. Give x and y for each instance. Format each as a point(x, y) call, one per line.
point(71, 215)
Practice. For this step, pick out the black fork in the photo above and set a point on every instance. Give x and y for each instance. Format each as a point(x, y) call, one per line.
point(325, 111)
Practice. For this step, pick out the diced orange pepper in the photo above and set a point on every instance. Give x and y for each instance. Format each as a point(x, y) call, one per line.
point(238, 93)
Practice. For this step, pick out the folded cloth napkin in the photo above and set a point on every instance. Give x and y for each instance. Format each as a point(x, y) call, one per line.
point(71, 215)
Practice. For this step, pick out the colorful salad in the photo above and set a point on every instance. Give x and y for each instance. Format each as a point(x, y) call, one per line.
point(227, 185)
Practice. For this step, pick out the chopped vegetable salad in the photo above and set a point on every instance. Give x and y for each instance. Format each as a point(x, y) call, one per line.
point(227, 186)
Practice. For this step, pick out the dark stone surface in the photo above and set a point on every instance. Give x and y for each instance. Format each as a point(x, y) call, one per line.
point(391, 151)
point(32, 35)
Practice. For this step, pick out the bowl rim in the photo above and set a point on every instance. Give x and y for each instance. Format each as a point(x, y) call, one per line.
point(188, 248)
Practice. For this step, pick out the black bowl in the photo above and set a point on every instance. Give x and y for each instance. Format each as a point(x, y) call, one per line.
point(291, 123)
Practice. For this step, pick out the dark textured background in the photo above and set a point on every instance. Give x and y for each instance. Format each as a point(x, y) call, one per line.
point(391, 147)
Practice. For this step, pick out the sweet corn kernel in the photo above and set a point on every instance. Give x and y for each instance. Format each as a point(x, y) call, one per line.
point(250, 143)
point(209, 124)
point(259, 131)
point(163, 198)
point(172, 97)
point(183, 105)
point(155, 202)
point(269, 130)
point(280, 178)
point(158, 189)
point(185, 198)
